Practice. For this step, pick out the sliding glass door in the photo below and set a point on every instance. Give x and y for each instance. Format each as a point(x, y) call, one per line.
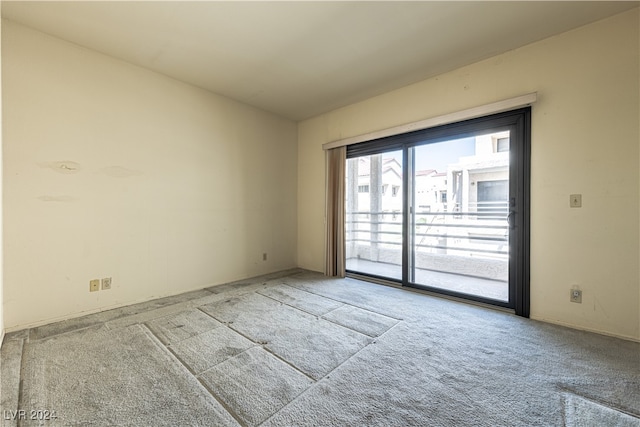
point(444, 209)
point(374, 214)
point(459, 206)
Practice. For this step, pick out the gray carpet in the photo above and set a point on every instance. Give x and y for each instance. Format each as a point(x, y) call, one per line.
point(312, 344)
point(123, 377)
point(297, 348)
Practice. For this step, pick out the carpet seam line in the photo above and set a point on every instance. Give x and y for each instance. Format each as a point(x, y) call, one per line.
point(326, 376)
point(21, 382)
point(276, 355)
point(568, 391)
point(321, 316)
point(221, 402)
point(262, 345)
point(344, 303)
point(298, 308)
point(166, 348)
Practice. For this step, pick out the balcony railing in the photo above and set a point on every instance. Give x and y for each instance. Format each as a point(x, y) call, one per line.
point(480, 231)
point(473, 242)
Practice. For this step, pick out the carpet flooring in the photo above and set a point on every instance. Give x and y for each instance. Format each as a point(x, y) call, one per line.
point(300, 349)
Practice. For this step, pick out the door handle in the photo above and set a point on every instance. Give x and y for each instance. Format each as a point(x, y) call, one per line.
point(511, 220)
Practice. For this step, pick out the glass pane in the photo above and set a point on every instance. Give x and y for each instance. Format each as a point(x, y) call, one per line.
point(374, 215)
point(460, 235)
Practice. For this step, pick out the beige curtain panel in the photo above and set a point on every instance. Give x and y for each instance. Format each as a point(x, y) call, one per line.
point(335, 247)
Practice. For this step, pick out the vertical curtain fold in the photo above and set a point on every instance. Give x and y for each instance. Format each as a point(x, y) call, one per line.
point(335, 215)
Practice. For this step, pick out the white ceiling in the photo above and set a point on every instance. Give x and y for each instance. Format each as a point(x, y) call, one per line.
point(300, 59)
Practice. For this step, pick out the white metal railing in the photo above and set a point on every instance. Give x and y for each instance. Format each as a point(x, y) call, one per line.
point(482, 230)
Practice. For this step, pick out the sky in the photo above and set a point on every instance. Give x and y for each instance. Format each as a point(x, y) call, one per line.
point(440, 154)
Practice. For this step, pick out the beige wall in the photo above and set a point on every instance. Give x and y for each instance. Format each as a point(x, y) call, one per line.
point(585, 140)
point(1, 256)
point(115, 171)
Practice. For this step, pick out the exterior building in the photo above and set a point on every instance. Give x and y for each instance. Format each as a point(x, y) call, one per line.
point(481, 182)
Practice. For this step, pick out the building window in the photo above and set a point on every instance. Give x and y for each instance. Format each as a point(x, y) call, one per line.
point(394, 190)
point(493, 197)
point(384, 189)
point(363, 188)
point(502, 144)
point(443, 197)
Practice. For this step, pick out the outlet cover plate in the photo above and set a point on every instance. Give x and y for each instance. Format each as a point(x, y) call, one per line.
point(106, 283)
point(94, 285)
point(576, 296)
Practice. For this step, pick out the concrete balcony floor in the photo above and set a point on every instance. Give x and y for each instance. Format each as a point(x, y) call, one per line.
point(487, 288)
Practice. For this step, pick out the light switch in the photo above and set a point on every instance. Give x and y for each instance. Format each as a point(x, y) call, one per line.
point(575, 200)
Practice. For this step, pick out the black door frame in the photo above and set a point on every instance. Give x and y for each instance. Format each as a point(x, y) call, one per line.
point(518, 122)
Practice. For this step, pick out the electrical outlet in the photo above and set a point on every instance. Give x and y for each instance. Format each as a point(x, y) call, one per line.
point(94, 285)
point(106, 283)
point(576, 296)
point(264, 256)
